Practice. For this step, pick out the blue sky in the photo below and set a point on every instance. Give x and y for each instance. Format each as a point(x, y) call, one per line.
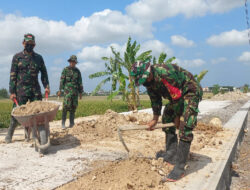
point(201, 34)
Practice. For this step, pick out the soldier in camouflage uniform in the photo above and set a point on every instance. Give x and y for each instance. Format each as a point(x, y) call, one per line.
point(184, 94)
point(71, 85)
point(24, 85)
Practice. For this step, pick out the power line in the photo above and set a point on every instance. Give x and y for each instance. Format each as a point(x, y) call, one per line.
point(247, 19)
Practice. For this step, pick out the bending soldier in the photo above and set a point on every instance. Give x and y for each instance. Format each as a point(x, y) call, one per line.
point(71, 85)
point(184, 94)
point(24, 85)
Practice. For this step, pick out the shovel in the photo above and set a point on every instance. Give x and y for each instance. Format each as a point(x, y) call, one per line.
point(138, 127)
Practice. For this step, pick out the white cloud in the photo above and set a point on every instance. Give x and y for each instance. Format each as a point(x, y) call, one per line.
point(58, 61)
point(90, 57)
point(150, 11)
point(157, 48)
point(56, 36)
point(229, 38)
point(245, 57)
point(190, 63)
point(181, 41)
point(219, 60)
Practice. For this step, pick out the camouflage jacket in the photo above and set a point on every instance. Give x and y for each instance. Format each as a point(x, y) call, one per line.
point(24, 74)
point(177, 77)
point(71, 81)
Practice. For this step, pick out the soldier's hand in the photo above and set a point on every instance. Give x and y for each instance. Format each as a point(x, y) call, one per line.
point(152, 124)
point(80, 95)
point(12, 96)
point(47, 90)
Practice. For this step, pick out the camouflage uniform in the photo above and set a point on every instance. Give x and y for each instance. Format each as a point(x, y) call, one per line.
point(71, 84)
point(186, 105)
point(24, 79)
point(184, 94)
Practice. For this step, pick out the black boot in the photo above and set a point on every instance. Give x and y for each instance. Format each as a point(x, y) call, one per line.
point(11, 129)
point(64, 116)
point(71, 119)
point(182, 155)
point(171, 148)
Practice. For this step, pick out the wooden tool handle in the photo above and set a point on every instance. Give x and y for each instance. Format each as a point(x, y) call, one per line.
point(144, 127)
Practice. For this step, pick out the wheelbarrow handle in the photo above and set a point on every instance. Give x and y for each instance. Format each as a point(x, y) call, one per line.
point(46, 95)
point(15, 101)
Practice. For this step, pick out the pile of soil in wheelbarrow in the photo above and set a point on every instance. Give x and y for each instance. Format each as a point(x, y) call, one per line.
point(133, 173)
point(31, 108)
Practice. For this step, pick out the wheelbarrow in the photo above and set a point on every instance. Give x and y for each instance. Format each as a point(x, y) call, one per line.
point(39, 125)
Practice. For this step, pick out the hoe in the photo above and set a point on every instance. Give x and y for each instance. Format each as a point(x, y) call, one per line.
point(138, 127)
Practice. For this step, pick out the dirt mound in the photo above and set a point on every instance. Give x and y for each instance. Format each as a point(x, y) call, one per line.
point(206, 135)
point(35, 107)
point(104, 127)
point(233, 96)
point(135, 173)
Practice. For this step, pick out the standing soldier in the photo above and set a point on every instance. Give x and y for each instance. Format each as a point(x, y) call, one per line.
point(24, 85)
point(184, 94)
point(71, 85)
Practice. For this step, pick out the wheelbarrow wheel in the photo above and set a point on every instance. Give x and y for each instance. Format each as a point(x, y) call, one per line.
point(43, 138)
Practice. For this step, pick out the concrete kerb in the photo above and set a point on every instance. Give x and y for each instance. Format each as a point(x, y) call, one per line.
point(221, 178)
point(222, 169)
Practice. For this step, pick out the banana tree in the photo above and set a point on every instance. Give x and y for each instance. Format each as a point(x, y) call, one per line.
point(112, 72)
point(130, 57)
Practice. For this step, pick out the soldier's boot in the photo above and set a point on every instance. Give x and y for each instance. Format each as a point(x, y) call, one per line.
point(182, 155)
point(64, 116)
point(11, 129)
point(171, 149)
point(71, 119)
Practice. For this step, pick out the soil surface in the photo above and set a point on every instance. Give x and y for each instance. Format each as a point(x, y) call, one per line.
point(92, 153)
point(35, 107)
point(233, 96)
point(138, 172)
point(241, 168)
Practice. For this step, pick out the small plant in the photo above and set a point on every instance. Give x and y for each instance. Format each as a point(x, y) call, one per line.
point(216, 89)
point(245, 88)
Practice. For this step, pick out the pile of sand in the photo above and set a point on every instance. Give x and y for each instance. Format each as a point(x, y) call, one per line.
point(233, 96)
point(104, 127)
point(31, 108)
point(104, 131)
point(133, 173)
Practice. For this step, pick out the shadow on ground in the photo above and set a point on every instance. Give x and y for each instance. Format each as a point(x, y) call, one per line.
point(196, 162)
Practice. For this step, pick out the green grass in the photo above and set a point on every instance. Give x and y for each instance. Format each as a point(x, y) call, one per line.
point(5, 110)
point(86, 107)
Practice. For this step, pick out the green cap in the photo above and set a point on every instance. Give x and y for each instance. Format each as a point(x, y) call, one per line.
point(29, 37)
point(140, 72)
point(73, 58)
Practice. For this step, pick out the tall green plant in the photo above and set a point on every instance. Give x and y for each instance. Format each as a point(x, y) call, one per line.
point(112, 72)
point(130, 57)
point(200, 76)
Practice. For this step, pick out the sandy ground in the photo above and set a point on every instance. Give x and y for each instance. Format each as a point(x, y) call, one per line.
point(92, 155)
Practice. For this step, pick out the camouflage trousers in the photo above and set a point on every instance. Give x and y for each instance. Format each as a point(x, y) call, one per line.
point(187, 109)
point(70, 102)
